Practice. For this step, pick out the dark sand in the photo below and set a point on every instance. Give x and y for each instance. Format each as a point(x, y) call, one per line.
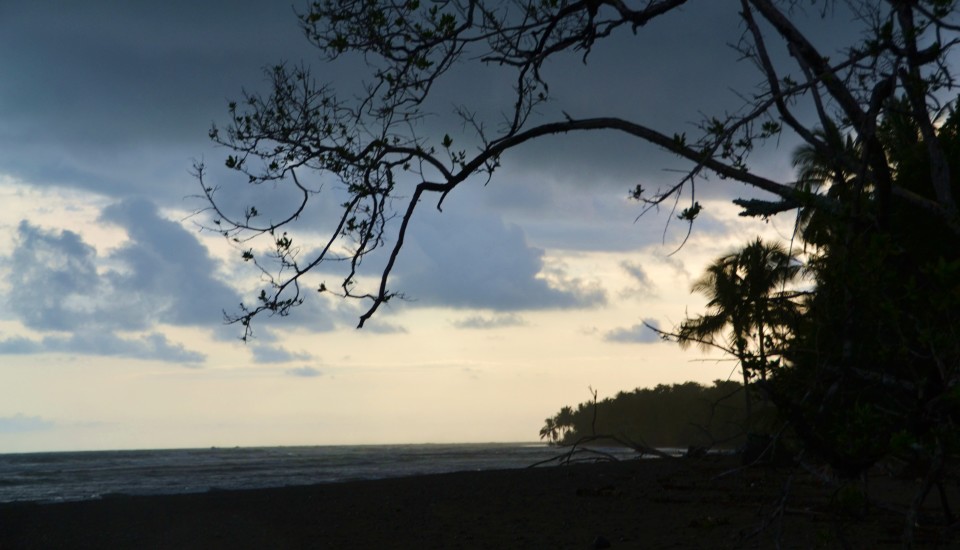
point(682, 503)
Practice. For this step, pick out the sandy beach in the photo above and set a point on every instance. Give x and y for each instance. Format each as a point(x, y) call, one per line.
point(680, 503)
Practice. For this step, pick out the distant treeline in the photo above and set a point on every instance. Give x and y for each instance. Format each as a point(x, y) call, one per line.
point(678, 415)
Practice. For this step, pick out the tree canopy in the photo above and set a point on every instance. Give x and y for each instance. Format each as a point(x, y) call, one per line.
point(867, 361)
point(749, 301)
point(864, 367)
point(302, 132)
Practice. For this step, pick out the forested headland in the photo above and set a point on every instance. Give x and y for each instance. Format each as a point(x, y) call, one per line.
point(674, 415)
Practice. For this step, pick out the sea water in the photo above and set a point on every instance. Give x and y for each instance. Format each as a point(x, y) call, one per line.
point(67, 476)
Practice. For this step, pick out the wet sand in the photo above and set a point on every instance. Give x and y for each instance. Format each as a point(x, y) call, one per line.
point(680, 503)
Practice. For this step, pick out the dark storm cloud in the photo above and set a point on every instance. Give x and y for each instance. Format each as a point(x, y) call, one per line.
point(636, 334)
point(669, 75)
point(666, 75)
point(462, 259)
point(97, 92)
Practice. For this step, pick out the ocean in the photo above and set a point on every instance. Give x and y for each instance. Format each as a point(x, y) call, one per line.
point(70, 476)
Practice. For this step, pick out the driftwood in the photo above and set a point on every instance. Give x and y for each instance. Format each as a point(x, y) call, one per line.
point(577, 449)
point(578, 452)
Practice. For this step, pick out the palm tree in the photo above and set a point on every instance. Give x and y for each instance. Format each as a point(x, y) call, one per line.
point(815, 171)
point(749, 310)
point(549, 431)
point(565, 421)
point(878, 346)
point(556, 428)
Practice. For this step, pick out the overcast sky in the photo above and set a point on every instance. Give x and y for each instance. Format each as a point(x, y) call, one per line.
point(523, 293)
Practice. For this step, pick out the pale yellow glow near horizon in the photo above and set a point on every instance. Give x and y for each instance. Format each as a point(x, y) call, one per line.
point(432, 383)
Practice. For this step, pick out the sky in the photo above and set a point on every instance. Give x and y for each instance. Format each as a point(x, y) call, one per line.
point(522, 294)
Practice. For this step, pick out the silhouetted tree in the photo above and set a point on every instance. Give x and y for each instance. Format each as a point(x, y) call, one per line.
point(750, 309)
point(874, 366)
point(876, 354)
point(301, 133)
point(549, 431)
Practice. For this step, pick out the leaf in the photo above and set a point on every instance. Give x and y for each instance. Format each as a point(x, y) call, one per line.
point(691, 213)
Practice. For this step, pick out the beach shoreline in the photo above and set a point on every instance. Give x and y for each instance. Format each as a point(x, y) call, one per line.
point(681, 503)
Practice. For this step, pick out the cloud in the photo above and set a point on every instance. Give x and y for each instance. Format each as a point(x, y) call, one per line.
point(139, 103)
point(20, 423)
point(636, 271)
point(20, 346)
point(558, 216)
point(314, 315)
point(162, 274)
point(636, 334)
point(492, 322)
point(462, 259)
point(644, 286)
point(153, 346)
point(167, 271)
point(53, 282)
point(277, 354)
point(304, 372)
point(677, 265)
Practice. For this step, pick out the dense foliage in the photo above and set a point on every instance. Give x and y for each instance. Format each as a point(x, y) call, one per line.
point(875, 360)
